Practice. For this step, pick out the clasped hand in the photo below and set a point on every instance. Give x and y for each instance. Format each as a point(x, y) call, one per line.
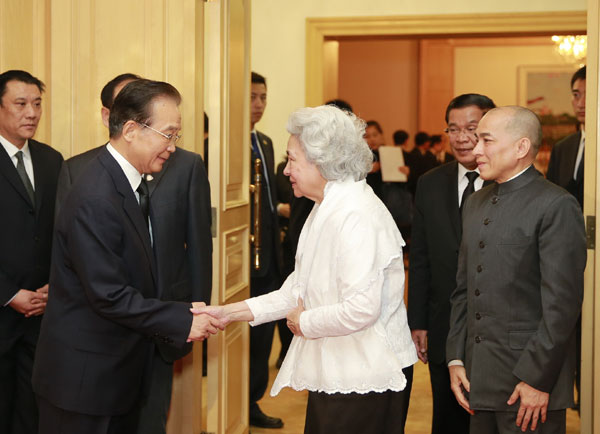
point(206, 322)
point(30, 303)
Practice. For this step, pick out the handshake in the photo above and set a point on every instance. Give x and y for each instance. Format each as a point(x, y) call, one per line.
point(210, 319)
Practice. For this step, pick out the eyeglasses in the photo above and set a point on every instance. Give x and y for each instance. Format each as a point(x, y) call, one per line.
point(170, 137)
point(468, 131)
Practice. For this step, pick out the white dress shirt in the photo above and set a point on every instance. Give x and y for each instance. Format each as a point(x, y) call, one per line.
point(133, 176)
point(579, 153)
point(349, 271)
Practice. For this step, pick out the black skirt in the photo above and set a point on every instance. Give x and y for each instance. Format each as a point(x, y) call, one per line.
point(347, 413)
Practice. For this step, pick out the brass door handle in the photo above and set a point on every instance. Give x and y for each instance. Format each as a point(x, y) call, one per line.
point(256, 191)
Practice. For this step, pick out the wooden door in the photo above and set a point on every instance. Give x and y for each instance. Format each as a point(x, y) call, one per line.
point(227, 102)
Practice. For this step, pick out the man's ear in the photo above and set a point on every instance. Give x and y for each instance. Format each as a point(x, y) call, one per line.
point(523, 147)
point(105, 113)
point(130, 130)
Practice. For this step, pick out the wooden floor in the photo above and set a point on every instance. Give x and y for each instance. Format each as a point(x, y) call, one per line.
point(291, 405)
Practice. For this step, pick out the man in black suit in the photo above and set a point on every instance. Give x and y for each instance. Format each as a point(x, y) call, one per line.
point(180, 205)
point(566, 161)
point(97, 343)
point(436, 233)
point(28, 177)
point(268, 277)
point(519, 286)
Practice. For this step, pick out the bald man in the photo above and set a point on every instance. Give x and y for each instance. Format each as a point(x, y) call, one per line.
point(511, 346)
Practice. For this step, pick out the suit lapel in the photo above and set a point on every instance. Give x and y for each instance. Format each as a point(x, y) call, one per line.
point(130, 206)
point(39, 174)
point(9, 171)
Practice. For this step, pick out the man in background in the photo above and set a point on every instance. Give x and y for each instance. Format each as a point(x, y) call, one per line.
point(566, 161)
point(436, 234)
point(268, 277)
point(28, 178)
point(180, 204)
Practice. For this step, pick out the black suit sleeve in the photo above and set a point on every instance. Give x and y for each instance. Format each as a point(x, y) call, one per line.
point(199, 237)
point(63, 187)
point(457, 336)
point(97, 232)
point(552, 173)
point(420, 273)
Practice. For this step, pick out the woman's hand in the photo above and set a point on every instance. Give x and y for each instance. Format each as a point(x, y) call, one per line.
point(293, 318)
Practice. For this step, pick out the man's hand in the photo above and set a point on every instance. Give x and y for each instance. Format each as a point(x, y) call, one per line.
point(203, 325)
point(419, 337)
point(293, 318)
point(404, 169)
point(533, 404)
point(30, 303)
point(458, 381)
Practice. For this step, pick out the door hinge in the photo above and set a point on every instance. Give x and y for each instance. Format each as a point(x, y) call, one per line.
point(590, 231)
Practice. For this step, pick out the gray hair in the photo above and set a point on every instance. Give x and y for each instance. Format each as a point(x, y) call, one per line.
point(333, 140)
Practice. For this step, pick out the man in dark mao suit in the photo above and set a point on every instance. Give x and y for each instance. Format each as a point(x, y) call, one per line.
point(268, 277)
point(104, 312)
point(180, 207)
point(519, 286)
point(26, 223)
point(436, 233)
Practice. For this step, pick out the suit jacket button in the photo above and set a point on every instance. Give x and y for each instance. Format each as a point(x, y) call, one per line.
point(495, 200)
point(478, 316)
point(477, 293)
point(486, 221)
point(477, 339)
point(481, 244)
point(479, 268)
point(31, 212)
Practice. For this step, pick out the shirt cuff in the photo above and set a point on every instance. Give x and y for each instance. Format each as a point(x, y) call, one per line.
point(11, 299)
point(455, 362)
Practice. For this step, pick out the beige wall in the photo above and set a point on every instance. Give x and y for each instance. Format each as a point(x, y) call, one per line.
point(279, 38)
point(493, 71)
point(379, 79)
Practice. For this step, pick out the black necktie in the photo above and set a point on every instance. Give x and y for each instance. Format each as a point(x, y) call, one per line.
point(144, 199)
point(24, 177)
point(471, 176)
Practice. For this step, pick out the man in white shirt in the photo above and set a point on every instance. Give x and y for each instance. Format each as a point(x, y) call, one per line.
point(436, 234)
point(28, 176)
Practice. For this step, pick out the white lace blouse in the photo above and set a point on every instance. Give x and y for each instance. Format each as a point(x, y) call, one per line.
point(349, 271)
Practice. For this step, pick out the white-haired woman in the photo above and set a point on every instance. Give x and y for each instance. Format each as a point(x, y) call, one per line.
point(344, 300)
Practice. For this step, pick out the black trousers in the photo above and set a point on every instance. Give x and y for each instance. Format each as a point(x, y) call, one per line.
point(448, 416)
point(261, 337)
point(155, 405)
point(54, 420)
point(18, 339)
point(370, 413)
point(504, 422)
